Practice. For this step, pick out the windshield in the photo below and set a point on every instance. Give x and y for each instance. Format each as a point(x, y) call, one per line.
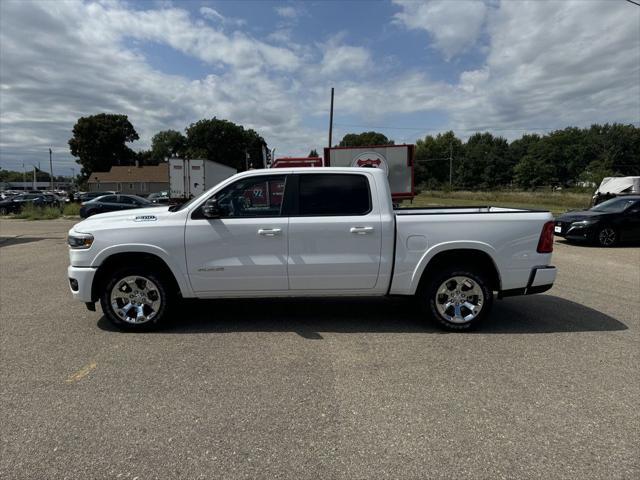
point(614, 205)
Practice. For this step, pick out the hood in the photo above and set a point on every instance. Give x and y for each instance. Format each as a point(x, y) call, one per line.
point(123, 218)
point(579, 215)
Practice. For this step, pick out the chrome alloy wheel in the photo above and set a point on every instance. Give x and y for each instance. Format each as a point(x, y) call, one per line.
point(607, 236)
point(459, 299)
point(135, 299)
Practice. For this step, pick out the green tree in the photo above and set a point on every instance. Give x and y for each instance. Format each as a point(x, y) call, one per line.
point(432, 159)
point(364, 139)
point(167, 143)
point(313, 153)
point(521, 147)
point(533, 171)
point(224, 142)
point(485, 163)
point(99, 142)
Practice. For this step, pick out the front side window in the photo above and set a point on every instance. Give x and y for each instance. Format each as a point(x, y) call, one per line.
point(108, 199)
point(334, 194)
point(252, 197)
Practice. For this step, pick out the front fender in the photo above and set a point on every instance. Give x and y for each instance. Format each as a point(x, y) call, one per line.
point(174, 266)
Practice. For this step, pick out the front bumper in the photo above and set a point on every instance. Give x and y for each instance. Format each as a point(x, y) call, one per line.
point(540, 280)
point(80, 282)
point(566, 230)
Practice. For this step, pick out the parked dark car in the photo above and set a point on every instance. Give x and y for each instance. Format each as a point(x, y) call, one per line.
point(159, 197)
point(608, 223)
point(111, 203)
point(16, 204)
point(85, 197)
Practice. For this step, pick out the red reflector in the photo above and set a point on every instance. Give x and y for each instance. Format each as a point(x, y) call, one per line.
point(545, 244)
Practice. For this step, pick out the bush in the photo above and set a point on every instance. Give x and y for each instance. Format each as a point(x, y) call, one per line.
point(31, 212)
point(71, 210)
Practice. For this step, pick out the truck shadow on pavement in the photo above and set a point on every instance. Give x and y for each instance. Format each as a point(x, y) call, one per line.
point(19, 239)
point(307, 317)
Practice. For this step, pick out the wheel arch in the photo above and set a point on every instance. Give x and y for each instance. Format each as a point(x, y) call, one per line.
point(145, 259)
point(467, 255)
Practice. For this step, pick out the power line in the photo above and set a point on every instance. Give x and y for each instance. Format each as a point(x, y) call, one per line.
point(635, 3)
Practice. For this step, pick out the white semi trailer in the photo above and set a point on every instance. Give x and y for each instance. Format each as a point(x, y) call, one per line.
point(190, 178)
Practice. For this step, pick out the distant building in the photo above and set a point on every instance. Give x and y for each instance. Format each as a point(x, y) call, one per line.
point(131, 179)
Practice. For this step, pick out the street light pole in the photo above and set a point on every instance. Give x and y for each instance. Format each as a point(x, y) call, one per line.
point(331, 119)
point(51, 168)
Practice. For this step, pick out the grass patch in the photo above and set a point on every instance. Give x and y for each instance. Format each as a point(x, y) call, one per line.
point(556, 202)
point(71, 210)
point(30, 212)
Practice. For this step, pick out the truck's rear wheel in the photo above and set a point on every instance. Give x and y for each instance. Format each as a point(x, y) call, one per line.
point(457, 298)
point(135, 299)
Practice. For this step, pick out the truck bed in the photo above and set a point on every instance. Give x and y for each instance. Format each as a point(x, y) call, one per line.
point(509, 236)
point(461, 209)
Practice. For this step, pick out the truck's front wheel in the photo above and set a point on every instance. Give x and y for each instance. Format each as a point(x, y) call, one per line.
point(458, 298)
point(135, 299)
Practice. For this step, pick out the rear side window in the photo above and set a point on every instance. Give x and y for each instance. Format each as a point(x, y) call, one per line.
point(127, 200)
point(334, 194)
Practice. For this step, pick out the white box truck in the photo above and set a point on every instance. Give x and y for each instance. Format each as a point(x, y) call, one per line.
point(190, 178)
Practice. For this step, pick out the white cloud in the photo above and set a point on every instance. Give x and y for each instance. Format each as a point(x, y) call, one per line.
point(287, 11)
point(338, 59)
point(212, 14)
point(454, 25)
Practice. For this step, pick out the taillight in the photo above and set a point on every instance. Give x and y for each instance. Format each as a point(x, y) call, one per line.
point(545, 244)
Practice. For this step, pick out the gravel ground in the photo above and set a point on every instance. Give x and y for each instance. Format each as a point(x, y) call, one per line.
point(329, 388)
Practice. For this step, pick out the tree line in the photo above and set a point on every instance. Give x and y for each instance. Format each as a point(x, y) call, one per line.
point(567, 157)
point(100, 142)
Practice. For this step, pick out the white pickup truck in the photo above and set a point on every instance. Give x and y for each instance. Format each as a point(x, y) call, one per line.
point(308, 232)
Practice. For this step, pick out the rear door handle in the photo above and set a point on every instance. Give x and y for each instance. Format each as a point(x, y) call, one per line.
point(269, 232)
point(361, 230)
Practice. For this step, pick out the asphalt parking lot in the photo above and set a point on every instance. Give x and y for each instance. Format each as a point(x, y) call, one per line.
point(327, 388)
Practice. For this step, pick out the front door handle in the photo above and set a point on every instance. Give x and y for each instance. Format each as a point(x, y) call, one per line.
point(269, 232)
point(361, 230)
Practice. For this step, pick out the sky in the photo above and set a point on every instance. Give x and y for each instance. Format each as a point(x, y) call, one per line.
point(405, 68)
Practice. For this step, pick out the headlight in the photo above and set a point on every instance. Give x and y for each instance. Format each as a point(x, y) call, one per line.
point(584, 223)
point(80, 240)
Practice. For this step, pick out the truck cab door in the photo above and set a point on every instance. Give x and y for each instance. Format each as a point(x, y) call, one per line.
point(335, 235)
point(245, 249)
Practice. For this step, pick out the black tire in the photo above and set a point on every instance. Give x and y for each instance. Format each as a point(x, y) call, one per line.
point(430, 297)
point(607, 237)
point(158, 284)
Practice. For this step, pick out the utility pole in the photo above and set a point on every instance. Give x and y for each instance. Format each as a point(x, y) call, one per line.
point(24, 177)
point(331, 119)
point(51, 168)
point(34, 178)
point(450, 164)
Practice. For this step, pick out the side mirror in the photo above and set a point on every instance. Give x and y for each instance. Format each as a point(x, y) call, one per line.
point(210, 209)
